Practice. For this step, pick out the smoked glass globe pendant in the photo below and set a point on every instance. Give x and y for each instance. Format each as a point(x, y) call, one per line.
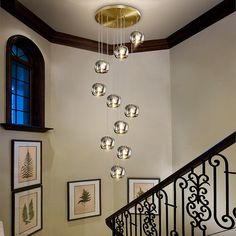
point(121, 127)
point(107, 143)
point(98, 89)
point(124, 152)
point(117, 172)
point(113, 101)
point(136, 38)
point(101, 67)
point(121, 52)
point(131, 111)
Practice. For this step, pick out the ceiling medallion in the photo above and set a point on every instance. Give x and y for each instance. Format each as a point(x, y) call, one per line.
point(117, 16)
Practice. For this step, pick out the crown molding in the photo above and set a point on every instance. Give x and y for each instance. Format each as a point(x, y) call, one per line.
point(23, 14)
point(78, 42)
point(207, 19)
point(27, 17)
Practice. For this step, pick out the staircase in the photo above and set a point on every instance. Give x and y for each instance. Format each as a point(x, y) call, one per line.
point(198, 199)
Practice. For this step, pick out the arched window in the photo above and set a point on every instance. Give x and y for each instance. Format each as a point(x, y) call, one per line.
point(25, 71)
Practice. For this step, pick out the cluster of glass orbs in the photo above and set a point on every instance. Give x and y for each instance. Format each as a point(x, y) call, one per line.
point(98, 89)
point(117, 172)
point(101, 67)
point(113, 101)
point(121, 127)
point(124, 152)
point(107, 143)
point(131, 111)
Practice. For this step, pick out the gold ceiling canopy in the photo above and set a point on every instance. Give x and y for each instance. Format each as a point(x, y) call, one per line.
point(117, 16)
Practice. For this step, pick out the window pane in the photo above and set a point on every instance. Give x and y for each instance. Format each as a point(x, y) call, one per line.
point(22, 73)
point(13, 116)
point(22, 103)
point(22, 89)
point(20, 52)
point(13, 86)
point(26, 105)
point(13, 101)
point(21, 55)
point(22, 118)
point(13, 50)
point(13, 70)
point(24, 58)
point(26, 119)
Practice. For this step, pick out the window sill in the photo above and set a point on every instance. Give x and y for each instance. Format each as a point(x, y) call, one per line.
point(25, 128)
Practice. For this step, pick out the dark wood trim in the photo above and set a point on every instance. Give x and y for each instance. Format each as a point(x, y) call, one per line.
point(215, 14)
point(8, 126)
point(151, 45)
point(78, 42)
point(23, 14)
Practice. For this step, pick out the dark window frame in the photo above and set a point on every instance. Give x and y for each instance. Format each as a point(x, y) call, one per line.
point(37, 97)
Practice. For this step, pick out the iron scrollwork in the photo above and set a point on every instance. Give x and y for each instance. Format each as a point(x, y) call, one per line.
point(149, 225)
point(198, 205)
point(227, 220)
point(119, 225)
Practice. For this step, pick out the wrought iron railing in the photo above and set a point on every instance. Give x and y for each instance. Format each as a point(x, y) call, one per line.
point(198, 199)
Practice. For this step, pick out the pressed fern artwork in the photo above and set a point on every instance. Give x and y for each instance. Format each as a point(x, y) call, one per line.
point(84, 198)
point(27, 214)
point(27, 168)
point(140, 192)
point(26, 161)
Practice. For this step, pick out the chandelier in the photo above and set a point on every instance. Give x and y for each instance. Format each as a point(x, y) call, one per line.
point(116, 17)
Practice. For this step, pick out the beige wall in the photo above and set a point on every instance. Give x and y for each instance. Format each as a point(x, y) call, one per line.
point(10, 26)
point(71, 151)
point(203, 84)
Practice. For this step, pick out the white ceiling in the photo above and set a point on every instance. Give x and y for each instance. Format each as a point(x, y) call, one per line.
point(160, 18)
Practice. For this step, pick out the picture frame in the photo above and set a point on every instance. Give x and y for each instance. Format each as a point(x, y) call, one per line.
point(138, 186)
point(27, 211)
point(84, 199)
point(1, 229)
point(26, 163)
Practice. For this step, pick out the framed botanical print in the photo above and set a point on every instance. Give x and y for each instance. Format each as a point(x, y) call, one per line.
point(138, 186)
point(26, 163)
point(84, 199)
point(27, 211)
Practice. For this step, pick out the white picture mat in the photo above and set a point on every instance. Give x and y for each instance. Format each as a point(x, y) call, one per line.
point(72, 186)
point(1, 229)
point(39, 213)
point(17, 145)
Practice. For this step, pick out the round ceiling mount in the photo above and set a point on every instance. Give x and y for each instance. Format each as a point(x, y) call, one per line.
point(117, 16)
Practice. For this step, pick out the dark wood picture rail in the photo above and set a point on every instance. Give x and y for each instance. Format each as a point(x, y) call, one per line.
point(23, 14)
